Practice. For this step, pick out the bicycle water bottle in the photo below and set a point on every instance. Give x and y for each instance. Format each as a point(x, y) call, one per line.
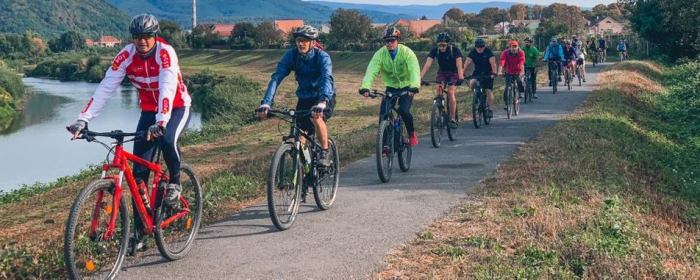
point(307, 158)
point(396, 123)
point(143, 192)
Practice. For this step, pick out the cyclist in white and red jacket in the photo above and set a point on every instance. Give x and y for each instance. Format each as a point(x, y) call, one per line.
point(151, 65)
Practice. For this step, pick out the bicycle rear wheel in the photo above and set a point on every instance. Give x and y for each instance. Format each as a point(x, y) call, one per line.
point(385, 150)
point(89, 251)
point(477, 112)
point(326, 187)
point(404, 148)
point(436, 124)
point(527, 88)
point(284, 186)
point(176, 227)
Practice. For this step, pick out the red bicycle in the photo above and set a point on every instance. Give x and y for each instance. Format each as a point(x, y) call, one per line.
point(97, 230)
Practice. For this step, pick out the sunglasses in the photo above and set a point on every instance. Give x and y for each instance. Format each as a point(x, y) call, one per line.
point(143, 36)
point(302, 40)
point(478, 47)
point(389, 41)
point(443, 45)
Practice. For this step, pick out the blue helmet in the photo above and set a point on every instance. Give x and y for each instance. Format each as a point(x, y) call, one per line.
point(553, 40)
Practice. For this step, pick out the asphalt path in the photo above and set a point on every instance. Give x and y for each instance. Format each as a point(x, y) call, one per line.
point(368, 218)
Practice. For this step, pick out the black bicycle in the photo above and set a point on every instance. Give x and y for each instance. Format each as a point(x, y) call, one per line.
point(567, 73)
point(392, 137)
point(294, 169)
point(594, 56)
point(530, 84)
point(511, 96)
point(480, 107)
point(440, 114)
point(553, 67)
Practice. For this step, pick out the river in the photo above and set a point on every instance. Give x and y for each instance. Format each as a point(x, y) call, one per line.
point(35, 146)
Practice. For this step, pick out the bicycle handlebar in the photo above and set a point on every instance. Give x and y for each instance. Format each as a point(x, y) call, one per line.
point(446, 83)
point(479, 77)
point(291, 112)
point(114, 134)
point(375, 93)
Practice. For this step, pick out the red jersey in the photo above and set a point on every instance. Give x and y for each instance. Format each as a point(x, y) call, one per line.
point(513, 62)
point(157, 79)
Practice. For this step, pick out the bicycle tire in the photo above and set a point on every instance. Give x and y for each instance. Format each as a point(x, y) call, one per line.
point(578, 75)
point(555, 81)
point(516, 104)
point(385, 139)
point(323, 201)
point(165, 239)
point(484, 109)
point(292, 189)
point(527, 87)
point(436, 125)
point(404, 149)
point(70, 241)
point(568, 78)
point(452, 133)
point(477, 112)
point(509, 108)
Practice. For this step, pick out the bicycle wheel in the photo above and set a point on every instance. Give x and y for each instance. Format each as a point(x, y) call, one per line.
point(403, 148)
point(508, 97)
point(516, 104)
point(89, 251)
point(568, 78)
point(484, 107)
point(477, 112)
point(326, 187)
point(578, 74)
point(436, 124)
point(176, 227)
point(284, 186)
point(451, 133)
point(385, 150)
point(527, 88)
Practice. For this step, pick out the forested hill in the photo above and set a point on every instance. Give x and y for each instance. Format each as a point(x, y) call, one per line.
point(231, 11)
point(50, 18)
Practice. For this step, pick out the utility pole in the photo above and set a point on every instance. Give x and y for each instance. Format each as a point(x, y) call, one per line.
point(194, 14)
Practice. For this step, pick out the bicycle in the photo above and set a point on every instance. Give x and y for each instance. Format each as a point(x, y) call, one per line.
point(440, 115)
point(567, 74)
point(553, 67)
point(97, 230)
point(294, 169)
point(530, 83)
point(578, 73)
point(594, 57)
point(623, 55)
point(511, 96)
point(479, 105)
point(392, 137)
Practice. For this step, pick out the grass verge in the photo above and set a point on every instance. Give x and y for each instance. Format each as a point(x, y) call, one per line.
point(607, 193)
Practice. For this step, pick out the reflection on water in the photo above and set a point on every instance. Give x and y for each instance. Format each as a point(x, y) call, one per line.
point(35, 146)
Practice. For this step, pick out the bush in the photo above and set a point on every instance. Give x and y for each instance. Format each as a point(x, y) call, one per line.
point(11, 82)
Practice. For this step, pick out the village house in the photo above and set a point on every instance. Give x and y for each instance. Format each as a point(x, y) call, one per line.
point(530, 24)
point(287, 26)
point(224, 30)
point(107, 42)
point(417, 27)
point(606, 25)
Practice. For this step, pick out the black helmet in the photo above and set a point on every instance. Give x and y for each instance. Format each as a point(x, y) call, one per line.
point(443, 37)
point(392, 32)
point(306, 31)
point(479, 42)
point(143, 24)
point(528, 39)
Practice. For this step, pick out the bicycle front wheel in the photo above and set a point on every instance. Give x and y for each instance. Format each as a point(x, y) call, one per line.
point(436, 124)
point(326, 187)
point(284, 186)
point(451, 133)
point(90, 250)
point(509, 106)
point(516, 104)
point(176, 226)
point(385, 150)
point(404, 148)
point(477, 112)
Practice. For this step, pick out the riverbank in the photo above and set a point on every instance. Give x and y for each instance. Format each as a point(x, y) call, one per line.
point(11, 93)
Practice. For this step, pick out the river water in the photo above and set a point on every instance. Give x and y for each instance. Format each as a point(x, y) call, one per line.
point(35, 146)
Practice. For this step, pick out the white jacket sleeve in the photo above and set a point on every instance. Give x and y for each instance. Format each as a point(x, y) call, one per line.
point(167, 82)
point(114, 76)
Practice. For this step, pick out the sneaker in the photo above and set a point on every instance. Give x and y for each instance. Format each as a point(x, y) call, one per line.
point(172, 194)
point(452, 124)
point(137, 243)
point(584, 80)
point(489, 114)
point(534, 96)
point(413, 139)
point(559, 79)
point(324, 159)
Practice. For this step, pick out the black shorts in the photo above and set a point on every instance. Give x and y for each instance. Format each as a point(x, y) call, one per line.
point(306, 104)
point(579, 61)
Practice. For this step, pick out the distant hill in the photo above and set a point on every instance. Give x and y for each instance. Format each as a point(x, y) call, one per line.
point(231, 11)
point(50, 18)
point(416, 11)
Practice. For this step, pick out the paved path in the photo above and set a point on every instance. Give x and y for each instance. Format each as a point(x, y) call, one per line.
point(369, 218)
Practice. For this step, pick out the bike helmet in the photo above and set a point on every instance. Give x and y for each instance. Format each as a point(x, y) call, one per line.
point(391, 32)
point(143, 24)
point(528, 39)
point(306, 31)
point(513, 43)
point(553, 40)
point(479, 42)
point(443, 37)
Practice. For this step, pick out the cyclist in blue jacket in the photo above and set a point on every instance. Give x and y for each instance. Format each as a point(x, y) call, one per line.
point(554, 52)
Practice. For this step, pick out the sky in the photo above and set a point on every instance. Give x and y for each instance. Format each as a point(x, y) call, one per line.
point(580, 3)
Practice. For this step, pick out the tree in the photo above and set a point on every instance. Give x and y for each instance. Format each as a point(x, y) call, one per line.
point(68, 41)
point(549, 29)
point(423, 17)
point(267, 35)
point(349, 26)
point(535, 12)
point(494, 15)
point(172, 33)
point(600, 10)
point(667, 24)
point(454, 14)
point(243, 30)
point(518, 12)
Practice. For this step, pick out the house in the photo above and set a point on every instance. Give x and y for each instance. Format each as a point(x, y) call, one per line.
point(287, 26)
point(224, 30)
point(530, 24)
point(325, 29)
point(108, 42)
point(501, 26)
point(417, 27)
point(379, 26)
point(89, 42)
point(606, 25)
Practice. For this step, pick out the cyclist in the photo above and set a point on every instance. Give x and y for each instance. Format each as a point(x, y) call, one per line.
point(575, 42)
point(513, 60)
point(580, 60)
point(531, 55)
point(316, 91)
point(400, 72)
point(554, 53)
point(484, 65)
point(570, 57)
point(592, 47)
point(449, 59)
point(622, 49)
point(152, 67)
point(602, 48)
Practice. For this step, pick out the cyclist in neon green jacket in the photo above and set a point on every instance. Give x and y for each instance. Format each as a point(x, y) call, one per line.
point(400, 72)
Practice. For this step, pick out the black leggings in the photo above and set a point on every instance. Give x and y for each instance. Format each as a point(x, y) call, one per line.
point(405, 103)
